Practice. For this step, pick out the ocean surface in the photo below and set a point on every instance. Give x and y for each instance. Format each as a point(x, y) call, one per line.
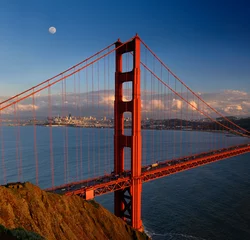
point(207, 203)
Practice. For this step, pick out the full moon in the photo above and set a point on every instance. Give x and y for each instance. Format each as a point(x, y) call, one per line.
point(52, 30)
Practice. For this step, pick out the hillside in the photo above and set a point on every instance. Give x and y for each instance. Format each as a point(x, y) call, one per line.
point(56, 216)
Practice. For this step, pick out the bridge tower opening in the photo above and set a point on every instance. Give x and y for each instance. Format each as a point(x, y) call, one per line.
point(128, 201)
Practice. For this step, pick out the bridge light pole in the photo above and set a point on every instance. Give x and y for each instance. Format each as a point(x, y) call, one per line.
point(128, 201)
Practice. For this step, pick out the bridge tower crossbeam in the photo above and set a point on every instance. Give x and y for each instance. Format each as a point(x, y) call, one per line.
point(128, 201)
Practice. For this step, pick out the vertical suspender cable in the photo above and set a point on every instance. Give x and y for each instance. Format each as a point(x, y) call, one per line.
point(2, 148)
point(35, 141)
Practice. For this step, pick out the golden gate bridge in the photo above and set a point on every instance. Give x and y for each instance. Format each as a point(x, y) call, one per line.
point(119, 86)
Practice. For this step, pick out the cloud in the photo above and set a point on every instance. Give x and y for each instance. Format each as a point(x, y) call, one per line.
point(236, 92)
point(176, 104)
point(108, 100)
point(100, 103)
point(20, 108)
point(246, 104)
point(28, 107)
point(233, 109)
point(157, 104)
point(229, 102)
point(193, 105)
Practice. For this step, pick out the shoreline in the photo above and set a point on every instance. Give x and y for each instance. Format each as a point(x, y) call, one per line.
point(126, 127)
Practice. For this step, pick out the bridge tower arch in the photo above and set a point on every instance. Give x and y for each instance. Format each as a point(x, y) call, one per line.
point(128, 201)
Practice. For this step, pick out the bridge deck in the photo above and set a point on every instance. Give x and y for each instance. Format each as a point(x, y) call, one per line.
point(111, 182)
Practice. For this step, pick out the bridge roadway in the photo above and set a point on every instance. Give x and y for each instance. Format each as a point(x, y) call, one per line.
point(111, 182)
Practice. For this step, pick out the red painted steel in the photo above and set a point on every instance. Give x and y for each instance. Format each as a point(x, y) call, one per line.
point(134, 141)
point(136, 151)
point(89, 194)
point(113, 185)
point(168, 170)
point(119, 131)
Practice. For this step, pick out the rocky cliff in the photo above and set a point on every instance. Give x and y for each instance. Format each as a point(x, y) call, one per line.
point(54, 216)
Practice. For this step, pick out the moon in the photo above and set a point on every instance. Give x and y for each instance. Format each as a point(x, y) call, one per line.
point(52, 30)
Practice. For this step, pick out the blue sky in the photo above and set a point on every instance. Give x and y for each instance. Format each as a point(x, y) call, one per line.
point(206, 43)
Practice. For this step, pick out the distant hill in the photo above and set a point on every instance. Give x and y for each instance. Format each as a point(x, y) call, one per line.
point(228, 117)
point(54, 216)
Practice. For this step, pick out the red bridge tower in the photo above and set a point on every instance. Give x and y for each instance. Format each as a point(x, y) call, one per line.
point(128, 201)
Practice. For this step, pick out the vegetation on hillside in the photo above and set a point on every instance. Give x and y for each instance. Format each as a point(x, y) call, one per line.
point(18, 233)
